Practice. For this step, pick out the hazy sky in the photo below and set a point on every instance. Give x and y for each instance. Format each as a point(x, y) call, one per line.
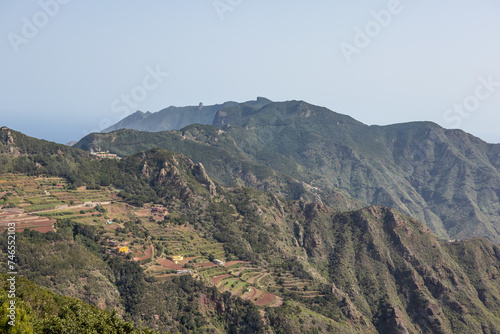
point(72, 67)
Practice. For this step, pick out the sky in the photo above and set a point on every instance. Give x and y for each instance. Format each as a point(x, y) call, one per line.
point(70, 67)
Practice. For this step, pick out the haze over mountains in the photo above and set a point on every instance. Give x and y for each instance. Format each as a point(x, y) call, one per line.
point(171, 118)
point(446, 178)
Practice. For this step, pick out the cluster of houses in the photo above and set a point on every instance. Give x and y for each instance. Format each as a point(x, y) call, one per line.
point(184, 271)
point(123, 249)
point(177, 258)
point(91, 204)
point(188, 271)
point(219, 262)
point(115, 247)
point(105, 155)
point(158, 210)
point(174, 258)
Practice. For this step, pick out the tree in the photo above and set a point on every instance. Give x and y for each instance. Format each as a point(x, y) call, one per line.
point(22, 320)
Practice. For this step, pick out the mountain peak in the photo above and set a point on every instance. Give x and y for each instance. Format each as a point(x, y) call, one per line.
point(176, 118)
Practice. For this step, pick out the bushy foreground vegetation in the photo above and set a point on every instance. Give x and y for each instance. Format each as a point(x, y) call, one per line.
point(41, 311)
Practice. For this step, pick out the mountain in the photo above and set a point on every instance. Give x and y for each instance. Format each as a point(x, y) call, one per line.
point(174, 118)
point(223, 160)
point(448, 179)
point(369, 270)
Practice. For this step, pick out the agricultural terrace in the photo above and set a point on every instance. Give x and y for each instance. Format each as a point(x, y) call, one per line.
point(38, 194)
point(164, 248)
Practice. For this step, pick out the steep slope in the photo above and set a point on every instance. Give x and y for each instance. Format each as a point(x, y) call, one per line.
point(40, 311)
point(446, 178)
point(396, 273)
point(223, 160)
point(16, 144)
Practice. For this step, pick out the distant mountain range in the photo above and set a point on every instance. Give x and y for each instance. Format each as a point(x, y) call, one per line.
point(171, 118)
point(446, 178)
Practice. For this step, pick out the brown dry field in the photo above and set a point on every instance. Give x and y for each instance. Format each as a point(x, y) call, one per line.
point(186, 260)
point(205, 265)
point(169, 264)
point(219, 278)
point(147, 255)
point(230, 263)
point(44, 229)
point(23, 221)
point(267, 299)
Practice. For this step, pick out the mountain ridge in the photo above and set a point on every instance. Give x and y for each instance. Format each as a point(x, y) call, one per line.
point(447, 178)
point(173, 118)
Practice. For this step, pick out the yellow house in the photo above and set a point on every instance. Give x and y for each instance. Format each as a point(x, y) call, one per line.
point(177, 258)
point(123, 249)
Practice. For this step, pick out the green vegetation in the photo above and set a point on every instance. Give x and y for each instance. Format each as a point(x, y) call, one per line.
point(310, 268)
point(445, 178)
point(41, 311)
point(67, 257)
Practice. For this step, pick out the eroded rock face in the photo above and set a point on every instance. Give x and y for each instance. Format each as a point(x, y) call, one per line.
point(201, 176)
point(299, 233)
point(11, 145)
point(146, 171)
point(95, 149)
point(378, 249)
point(349, 309)
point(162, 175)
point(10, 139)
point(396, 320)
point(278, 204)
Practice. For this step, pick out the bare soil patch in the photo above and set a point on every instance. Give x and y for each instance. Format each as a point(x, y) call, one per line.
point(44, 229)
point(267, 299)
point(249, 295)
point(230, 263)
point(169, 264)
point(147, 254)
point(219, 278)
point(205, 265)
point(186, 260)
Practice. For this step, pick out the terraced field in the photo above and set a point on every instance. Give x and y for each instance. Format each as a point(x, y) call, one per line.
point(24, 221)
point(185, 241)
point(39, 201)
point(296, 285)
point(36, 194)
point(239, 278)
point(146, 255)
